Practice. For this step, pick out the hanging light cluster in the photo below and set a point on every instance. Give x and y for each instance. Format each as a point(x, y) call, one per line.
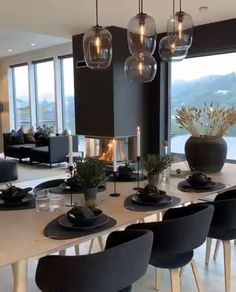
point(97, 46)
point(174, 47)
point(141, 67)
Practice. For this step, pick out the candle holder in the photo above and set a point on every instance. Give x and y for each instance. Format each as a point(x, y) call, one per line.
point(114, 194)
point(71, 170)
point(138, 177)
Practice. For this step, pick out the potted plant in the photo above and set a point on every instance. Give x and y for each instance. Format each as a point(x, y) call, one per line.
point(125, 172)
point(154, 166)
point(89, 175)
point(206, 149)
point(42, 134)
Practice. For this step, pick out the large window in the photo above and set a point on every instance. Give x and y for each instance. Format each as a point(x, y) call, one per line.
point(45, 93)
point(21, 96)
point(195, 81)
point(68, 106)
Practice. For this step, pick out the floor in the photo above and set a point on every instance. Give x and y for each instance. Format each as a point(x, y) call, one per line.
point(212, 277)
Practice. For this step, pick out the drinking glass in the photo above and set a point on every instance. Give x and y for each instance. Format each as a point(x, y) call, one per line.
point(41, 200)
point(56, 203)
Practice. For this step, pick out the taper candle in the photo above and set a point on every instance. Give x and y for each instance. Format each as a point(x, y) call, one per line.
point(114, 155)
point(138, 141)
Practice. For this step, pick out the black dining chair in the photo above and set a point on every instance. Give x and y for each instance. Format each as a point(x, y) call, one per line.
point(223, 228)
point(182, 230)
point(124, 261)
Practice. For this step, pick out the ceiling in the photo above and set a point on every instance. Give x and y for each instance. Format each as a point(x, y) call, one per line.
point(50, 22)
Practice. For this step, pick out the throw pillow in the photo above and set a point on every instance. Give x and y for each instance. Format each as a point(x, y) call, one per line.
point(29, 136)
point(16, 138)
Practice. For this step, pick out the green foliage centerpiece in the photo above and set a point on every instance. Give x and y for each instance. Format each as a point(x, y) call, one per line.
point(89, 175)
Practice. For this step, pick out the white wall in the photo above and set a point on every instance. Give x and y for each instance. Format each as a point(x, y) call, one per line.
point(28, 57)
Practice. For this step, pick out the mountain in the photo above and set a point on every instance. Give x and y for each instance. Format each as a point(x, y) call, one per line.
point(214, 88)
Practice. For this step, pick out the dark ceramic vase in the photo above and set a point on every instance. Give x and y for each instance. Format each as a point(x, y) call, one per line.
point(206, 153)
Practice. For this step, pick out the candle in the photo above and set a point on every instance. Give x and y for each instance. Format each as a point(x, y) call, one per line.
point(70, 148)
point(114, 155)
point(138, 141)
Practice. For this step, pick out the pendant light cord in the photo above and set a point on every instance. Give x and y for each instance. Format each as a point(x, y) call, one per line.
point(180, 5)
point(173, 7)
point(140, 6)
point(96, 12)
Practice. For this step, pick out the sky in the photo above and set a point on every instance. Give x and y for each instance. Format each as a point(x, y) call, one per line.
point(195, 68)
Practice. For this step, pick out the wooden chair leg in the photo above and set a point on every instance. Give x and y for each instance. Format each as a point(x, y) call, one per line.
point(91, 246)
point(196, 275)
point(62, 252)
point(227, 264)
point(175, 280)
point(100, 241)
point(20, 271)
point(208, 250)
point(157, 278)
point(216, 249)
point(77, 250)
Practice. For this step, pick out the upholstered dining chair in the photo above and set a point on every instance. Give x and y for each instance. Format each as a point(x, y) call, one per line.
point(124, 260)
point(223, 228)
point(182, 230)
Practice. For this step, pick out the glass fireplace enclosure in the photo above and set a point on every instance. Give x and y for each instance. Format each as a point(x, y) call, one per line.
point(102, 149)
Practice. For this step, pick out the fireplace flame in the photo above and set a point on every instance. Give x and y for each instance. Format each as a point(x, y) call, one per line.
point(108, 155)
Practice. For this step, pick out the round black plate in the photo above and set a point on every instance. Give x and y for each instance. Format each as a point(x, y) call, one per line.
point(24, 201)
point(199, 187)
point(164, 199)
point(63, 221)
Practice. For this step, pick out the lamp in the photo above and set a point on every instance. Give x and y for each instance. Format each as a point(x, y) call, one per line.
point(180, 29)
point(169, 53)
point(140, 68)
point(141, 33)
point(168, 50)
point(97, 46)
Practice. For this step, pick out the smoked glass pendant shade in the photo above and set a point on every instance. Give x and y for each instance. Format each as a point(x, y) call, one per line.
point(180, 30)
point(140, 68)
point(169, 52)
point(97, 47)
point(141, 34)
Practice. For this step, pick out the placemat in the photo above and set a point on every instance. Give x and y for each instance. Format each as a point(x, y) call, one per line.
point(132, 206)
point(55, 231)
point(54, 186)
point(134, 178)
point(184, 186)
point(19, 206)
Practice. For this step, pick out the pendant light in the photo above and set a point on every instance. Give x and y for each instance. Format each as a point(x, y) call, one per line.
point(97, 46)
point(180, 29)
point(168, 51)
point(140, 68)
point(141, 33)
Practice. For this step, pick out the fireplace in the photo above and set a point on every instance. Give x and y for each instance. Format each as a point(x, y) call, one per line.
point(102, 149)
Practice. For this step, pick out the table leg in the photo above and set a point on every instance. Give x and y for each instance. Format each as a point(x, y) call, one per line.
point(20, 271)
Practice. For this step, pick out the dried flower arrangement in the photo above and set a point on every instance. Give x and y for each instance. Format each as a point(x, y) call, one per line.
point(209, 121)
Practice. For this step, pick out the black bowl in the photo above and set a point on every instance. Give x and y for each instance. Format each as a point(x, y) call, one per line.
point(198, 180)
point(152, 197)
point(84, 221)
point(17, 196)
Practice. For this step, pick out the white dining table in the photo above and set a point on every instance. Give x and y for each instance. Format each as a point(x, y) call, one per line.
point(22, 230)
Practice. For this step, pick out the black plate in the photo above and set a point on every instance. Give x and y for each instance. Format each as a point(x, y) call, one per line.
point(164, 199)
point(199, 187)
point(21, 193)
point(24, 201)
point(63, 221)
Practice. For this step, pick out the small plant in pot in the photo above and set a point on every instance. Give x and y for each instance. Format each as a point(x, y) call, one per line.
point(89, 175)
point(125, 172)
point(154, 166)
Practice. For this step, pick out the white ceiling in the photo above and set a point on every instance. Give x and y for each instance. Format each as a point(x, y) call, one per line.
point(51, 22)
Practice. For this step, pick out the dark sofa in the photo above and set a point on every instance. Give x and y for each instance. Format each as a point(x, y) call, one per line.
point(18, 150)
point(55, 152)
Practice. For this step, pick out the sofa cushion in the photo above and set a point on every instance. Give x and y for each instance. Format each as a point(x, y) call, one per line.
point(40, 149)
point(14, 146)
point(16, 137)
